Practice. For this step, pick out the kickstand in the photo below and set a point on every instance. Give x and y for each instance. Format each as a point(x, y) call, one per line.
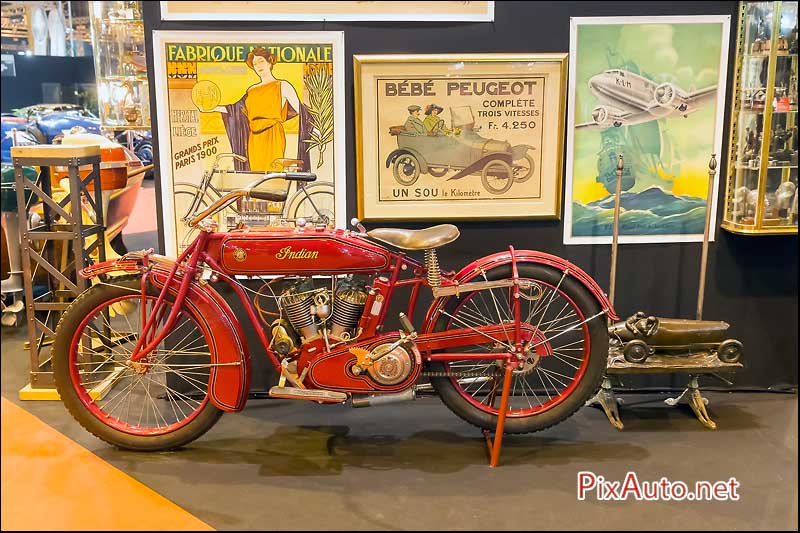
point(493, 445)
point(608, 401)
point(696, 401)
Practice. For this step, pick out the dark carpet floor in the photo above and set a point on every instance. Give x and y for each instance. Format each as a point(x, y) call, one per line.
point(282, 465)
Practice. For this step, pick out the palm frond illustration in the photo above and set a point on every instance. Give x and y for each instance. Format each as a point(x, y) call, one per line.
point(320, 106)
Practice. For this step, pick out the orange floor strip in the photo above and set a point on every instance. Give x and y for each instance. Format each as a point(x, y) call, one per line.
point(51, 483)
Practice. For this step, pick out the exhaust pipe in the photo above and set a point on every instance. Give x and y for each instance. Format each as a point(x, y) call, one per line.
point(373, 400)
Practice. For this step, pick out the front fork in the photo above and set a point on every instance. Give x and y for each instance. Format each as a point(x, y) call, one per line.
point(151, 335)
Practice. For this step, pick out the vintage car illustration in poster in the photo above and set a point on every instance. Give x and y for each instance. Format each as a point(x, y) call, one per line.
point(467, 139)
point(242, 104)
point(651, 89)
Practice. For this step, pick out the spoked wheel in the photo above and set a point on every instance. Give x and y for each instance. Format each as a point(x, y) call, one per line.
point(497, 176)
point(566, 351)
point(158, 403)
point(184, 194)
point(406, 169)
point(315, 205)
point(523, 168)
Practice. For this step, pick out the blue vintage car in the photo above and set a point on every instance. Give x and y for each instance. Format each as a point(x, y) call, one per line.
point(47, 123)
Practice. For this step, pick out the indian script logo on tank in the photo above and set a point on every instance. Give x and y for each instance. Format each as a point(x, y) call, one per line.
point(287, 253)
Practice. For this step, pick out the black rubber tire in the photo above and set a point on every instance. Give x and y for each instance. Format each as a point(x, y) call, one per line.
point(587, 387)
point(400, 176)
point(730, 350)
point(69, 322)
point(636, 351)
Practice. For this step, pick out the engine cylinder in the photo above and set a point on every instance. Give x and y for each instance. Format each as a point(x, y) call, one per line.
point(296, 302)
point(348, 306)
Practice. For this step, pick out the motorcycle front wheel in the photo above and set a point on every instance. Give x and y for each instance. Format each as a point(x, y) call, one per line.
point(159, 403)
point(566, 354)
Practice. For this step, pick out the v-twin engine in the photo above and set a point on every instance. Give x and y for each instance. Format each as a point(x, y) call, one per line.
point(338, 310)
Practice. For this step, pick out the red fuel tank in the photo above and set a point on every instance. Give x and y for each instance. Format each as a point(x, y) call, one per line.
point(296, 250)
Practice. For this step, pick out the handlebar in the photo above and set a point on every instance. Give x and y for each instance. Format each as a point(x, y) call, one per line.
point(249, 192)
point(228, 154)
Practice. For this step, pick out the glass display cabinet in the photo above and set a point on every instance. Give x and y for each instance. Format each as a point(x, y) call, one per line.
point(761, 197)
point(120, 68)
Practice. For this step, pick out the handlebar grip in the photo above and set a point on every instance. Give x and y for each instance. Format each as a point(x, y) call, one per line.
point(272, 196)
point(301, 176)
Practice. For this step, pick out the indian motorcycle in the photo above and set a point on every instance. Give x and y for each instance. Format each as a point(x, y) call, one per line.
point(150, 356)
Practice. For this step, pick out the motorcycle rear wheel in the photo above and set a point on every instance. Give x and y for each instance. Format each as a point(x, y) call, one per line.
point(162, 403)
point(564, 370)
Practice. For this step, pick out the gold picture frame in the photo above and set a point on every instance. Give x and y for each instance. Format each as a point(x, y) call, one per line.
point(496, 151)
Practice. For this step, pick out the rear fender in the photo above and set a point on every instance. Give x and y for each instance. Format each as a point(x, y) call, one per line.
point(519, 151)
point(229, 384)
point(527, 256)
point(423, 165)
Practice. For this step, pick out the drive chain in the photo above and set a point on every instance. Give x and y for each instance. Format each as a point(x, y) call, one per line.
point(459, 375)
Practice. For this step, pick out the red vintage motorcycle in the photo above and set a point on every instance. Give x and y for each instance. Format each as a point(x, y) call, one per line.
point(151, 355)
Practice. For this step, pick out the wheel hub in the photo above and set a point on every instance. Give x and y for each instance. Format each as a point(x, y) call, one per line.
point(139, 368)
point(537, 347)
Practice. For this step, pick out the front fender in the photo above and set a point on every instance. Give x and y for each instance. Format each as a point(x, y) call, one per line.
point(530, 256)
point(229, 384)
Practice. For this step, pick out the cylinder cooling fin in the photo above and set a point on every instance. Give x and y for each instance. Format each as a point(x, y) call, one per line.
point(348, 306)
point(296, 303)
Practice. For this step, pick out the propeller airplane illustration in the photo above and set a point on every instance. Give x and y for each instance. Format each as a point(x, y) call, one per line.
point(626, 99)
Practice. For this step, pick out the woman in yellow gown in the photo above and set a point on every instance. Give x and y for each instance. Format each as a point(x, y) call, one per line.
point(255, 122)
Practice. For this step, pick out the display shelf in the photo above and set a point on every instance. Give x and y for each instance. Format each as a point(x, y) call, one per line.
point(766, 54)
point(761, 197)
point(769, 167)
point(761, 111)
point(122, 88)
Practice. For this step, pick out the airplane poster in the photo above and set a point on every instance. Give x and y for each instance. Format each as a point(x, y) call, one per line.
point(653, 90)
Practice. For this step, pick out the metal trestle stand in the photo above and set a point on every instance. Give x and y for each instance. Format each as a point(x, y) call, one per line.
point(64, 231)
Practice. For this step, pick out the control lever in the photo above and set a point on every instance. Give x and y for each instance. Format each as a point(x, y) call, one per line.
point(357, 223)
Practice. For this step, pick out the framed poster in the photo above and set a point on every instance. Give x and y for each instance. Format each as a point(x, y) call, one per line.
point(653, 90)
point(275, 99)
point(454, 11)
point(444, 137)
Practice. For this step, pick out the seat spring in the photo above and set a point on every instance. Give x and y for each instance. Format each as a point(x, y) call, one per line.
point(432, 266)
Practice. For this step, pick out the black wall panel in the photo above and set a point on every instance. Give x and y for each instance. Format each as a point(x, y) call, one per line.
point(25, 88)
point(752, 281)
